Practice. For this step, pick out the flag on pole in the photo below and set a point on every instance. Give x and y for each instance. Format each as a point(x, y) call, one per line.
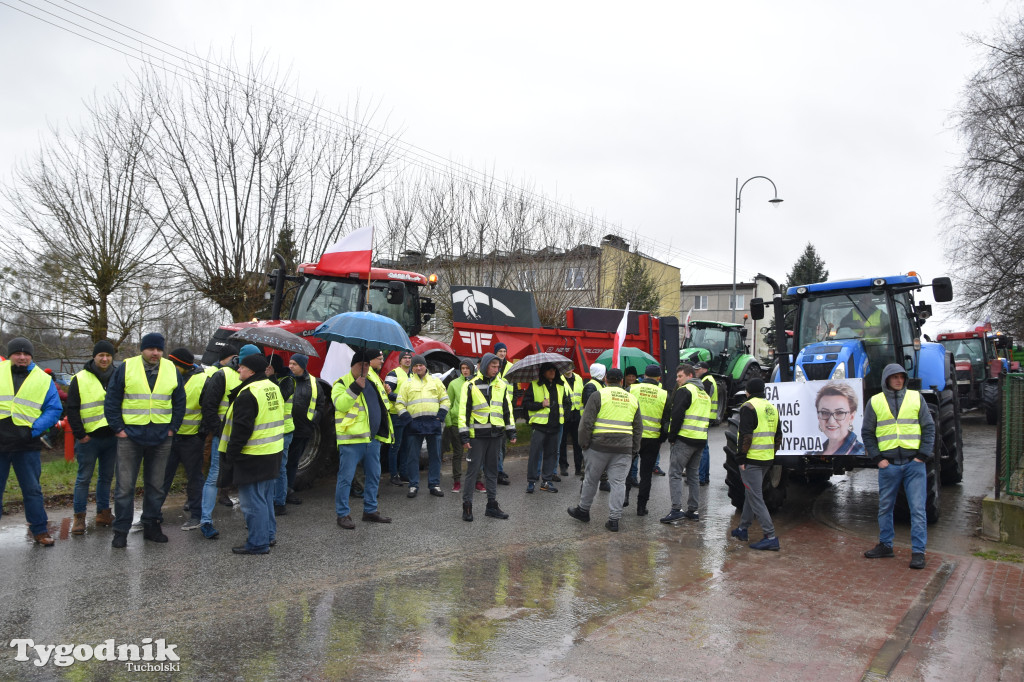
point(686, 325)
point(620, 336)
point(351, 253)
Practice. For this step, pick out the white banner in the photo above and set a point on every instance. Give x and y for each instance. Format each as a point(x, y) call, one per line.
point(819, 417)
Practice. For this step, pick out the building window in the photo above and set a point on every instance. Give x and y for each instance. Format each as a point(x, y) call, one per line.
point(575, 279)
point(528, 280)
point(737, 304)
point(700, 302)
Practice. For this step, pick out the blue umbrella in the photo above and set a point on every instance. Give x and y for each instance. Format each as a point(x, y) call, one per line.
point(365, 330)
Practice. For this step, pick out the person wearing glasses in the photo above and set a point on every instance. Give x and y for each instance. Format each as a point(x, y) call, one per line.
point(836, 405)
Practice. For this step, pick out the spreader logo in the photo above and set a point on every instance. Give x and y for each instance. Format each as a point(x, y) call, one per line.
point(477, 341)
point(471, 298)
point(152, 655)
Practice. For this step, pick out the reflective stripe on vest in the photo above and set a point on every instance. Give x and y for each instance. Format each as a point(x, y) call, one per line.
point(92, 396)
point(193, 414)
point(421, 397)
point(762, 445)
point(483, 411)
point(25, 406)
point(353, 426)
point(231, 380)
point(541, 392)
point(618, 407)
point(289, 422)
point(141, 404)
point(698, 415)
point(268, 428)
point(902, 431)
point(712, 386)
point(576, 391)
point(652, 399)
point(401, 375)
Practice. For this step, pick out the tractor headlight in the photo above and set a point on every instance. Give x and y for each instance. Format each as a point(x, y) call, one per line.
point(840, 371)
point(799, 375)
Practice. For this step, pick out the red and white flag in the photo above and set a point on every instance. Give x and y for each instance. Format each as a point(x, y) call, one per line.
point(686, 325)
point(351, 253)
point(620, 336)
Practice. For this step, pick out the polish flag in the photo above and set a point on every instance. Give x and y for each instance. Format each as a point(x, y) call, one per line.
point(686, 325)
point(350, 254)
point(620, 336)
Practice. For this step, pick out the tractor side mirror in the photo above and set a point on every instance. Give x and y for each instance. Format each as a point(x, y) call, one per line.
point(757, 308)
point(427, 306)
point(743, 333)
point(942, 289)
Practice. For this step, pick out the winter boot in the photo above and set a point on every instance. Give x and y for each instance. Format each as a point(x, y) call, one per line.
point(151, 531)
point(79, 527)
point(467, 511)
point(494, 511)
point(104, 518)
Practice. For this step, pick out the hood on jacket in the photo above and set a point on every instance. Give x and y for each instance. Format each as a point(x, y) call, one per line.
point(486, 360)
point(544, 368)
point(467, 363)
point(890, 370)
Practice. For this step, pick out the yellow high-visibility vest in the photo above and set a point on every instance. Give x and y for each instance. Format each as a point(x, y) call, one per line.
point(618, 407)
point(539, 394)
point(289, 422)
point(351, 421)
point(268, 428)
point(193, 413)
point(144, 405)
point(698, 415)
point(902, 431)
point(762, 444)
point(712, 391)
point(25, 406)
point(92, 396)
point(483, 411)
point(652, 399)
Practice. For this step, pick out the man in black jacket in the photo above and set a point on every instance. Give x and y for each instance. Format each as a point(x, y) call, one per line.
point(94, 440)
point(251, 447)
point(187, 446)
point(546, 401)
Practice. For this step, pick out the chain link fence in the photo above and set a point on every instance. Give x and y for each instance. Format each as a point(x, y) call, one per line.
point(1010, 440)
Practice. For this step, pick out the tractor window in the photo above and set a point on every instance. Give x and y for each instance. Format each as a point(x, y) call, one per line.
point(405, 313)
point(845, 316)
point(712, 338)
point(320, 299)
point(907, 329)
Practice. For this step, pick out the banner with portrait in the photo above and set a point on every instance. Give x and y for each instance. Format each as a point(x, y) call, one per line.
point(819, 417)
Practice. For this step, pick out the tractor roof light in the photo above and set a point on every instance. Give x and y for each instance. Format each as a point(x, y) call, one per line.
point(802, 291)
point(432, 280)
point(878, 282)
point(917, 344)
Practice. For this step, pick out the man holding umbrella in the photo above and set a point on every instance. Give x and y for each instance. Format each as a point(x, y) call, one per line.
point(546, 403)
point(362, 423)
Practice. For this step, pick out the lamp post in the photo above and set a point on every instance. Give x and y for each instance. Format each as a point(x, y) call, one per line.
point(735, 227)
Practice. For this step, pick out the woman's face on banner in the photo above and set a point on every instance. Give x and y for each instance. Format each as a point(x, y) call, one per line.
point(835, 418)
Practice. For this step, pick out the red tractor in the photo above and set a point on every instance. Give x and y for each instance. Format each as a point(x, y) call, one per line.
point(323, 293)
point(978, 368)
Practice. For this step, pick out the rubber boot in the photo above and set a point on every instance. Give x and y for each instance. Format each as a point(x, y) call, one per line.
point(467, 511)
point(494, 511)
point(79, 526)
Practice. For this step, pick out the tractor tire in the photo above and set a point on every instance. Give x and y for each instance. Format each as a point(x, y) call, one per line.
point(752, 371)
point(990, 399)
point(932, 483)
point(321, 454)
point(947, 429)
point(774, 488)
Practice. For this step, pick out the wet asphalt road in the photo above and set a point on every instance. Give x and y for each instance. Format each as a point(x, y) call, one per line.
point(428, 596)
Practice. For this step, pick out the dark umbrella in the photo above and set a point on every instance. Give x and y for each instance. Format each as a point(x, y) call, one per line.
point(364, 330)
point(277, 338)
point(528, 369)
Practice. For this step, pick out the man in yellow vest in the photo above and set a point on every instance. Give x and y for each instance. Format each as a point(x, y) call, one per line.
point(304, 402)
point(546, 402)
point(867, 319)
point(94, 441)
point(656, 412)
point(423, 398)
point(711, 388)
point(687, 434)
point(899, 432)
point(571, 428)
point(760, 435)
point(187, 446)
point(397, 459)
point(501, 352)
point(250, 448)
point(144, 406)
point(485, 421)
point(29, 406)
point(361, 424)
point(611, 430)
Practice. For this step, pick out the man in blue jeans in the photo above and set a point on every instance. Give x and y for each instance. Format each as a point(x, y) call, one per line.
point(899, 432)
point(29, 406)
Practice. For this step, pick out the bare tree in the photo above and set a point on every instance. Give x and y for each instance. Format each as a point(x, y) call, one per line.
point(985, 229)
point(81, 250)
point(237, 157)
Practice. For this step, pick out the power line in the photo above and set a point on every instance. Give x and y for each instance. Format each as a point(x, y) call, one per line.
point(413, 155)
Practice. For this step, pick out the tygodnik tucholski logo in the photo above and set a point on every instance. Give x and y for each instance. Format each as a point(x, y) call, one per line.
point(152, 655)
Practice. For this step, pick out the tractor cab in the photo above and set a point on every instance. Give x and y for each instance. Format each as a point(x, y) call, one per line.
point(717, 343)
point(321, 297)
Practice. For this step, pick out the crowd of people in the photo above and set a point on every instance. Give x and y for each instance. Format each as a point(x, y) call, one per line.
point(159, 412)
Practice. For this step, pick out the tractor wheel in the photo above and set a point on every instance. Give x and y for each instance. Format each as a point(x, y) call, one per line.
point(932, 483)
point(774, 487)
point(947, 429)
point(990, 399)
point(321, 454)
point(752, 371)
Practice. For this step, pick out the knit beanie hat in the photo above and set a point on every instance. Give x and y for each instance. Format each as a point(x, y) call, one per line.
point(652, 371)
point(597, 371)
point(255, 361)
point(500, 346)
point(19, 344)
point(247, 350)
point(418, 360)
point(301, 360)
point(152, 340)
point(755, 387)
point(103, 346)
point(227, 350)
point(182, 357)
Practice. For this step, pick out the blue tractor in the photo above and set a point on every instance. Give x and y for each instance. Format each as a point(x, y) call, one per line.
point(853, 329)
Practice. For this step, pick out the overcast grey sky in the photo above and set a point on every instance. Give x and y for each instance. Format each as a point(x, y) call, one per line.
point(644, 113)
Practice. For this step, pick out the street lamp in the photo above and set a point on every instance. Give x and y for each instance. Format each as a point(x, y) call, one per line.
point(735, 227)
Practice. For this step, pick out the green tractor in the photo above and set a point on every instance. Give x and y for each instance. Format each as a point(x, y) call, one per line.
point(723, 346)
